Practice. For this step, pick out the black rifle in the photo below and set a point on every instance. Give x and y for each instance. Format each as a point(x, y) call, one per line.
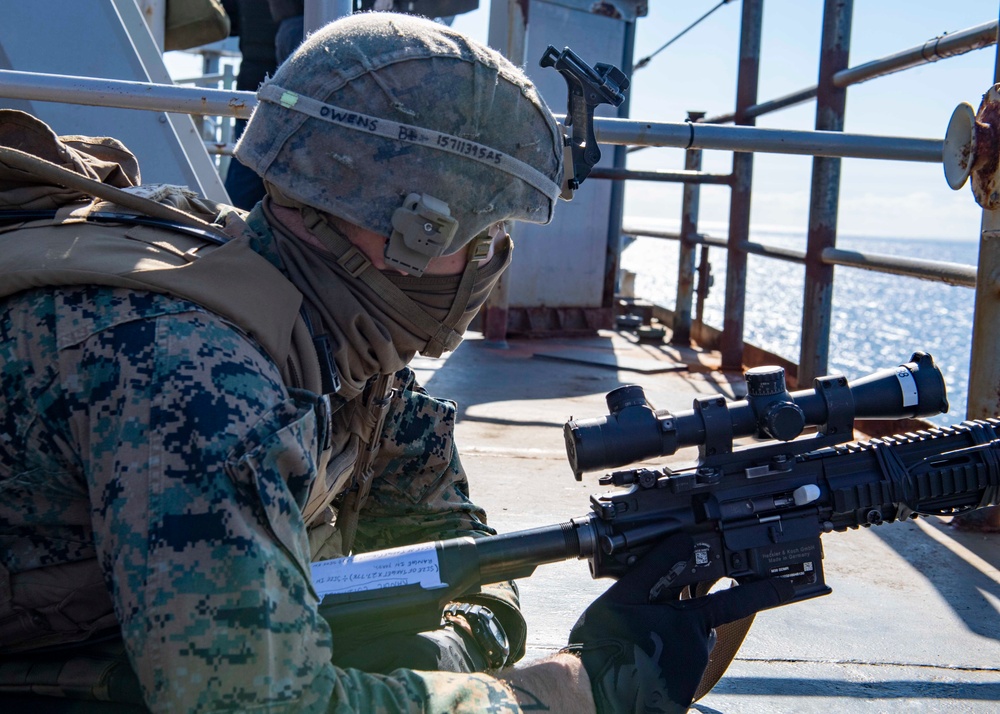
point(752, 512)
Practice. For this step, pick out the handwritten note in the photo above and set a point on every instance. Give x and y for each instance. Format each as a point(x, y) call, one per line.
point(416, 564)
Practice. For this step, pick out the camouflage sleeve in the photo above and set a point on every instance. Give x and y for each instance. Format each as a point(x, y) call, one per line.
point(421, 492)
point(196, 462)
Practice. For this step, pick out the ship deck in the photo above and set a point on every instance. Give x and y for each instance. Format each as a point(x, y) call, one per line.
point(913, 623)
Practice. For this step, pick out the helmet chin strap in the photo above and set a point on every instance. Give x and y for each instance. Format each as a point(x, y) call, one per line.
point(442, 336)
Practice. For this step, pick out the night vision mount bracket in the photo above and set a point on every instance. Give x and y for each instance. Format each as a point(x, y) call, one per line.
point(589, 87)
point(422, 228)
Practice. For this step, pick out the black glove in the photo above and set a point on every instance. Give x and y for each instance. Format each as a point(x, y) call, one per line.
point(644, 657)
point(447, 649)
point(469, 640)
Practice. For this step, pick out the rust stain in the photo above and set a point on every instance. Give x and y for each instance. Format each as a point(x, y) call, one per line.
point(987, 158)
point(523, 5)
point(966, 156)
point(606, 9)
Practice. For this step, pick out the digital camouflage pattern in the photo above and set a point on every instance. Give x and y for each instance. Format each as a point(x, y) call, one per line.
point(410, 70)
point(144, 432)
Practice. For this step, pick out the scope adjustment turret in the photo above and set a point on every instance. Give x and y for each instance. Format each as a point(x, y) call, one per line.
point(778, 416)
point(765, 381)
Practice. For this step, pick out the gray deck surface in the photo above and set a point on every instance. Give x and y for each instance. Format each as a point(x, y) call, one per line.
point(913, 623)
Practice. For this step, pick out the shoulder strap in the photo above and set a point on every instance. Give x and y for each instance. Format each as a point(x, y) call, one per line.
point(374, 407)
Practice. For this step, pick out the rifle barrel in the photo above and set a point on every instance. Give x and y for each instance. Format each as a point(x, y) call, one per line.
point(516, 555)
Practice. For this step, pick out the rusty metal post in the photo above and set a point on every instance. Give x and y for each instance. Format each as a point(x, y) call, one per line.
point(824, 200)
point(704, 285)
point(984, 367)
point(739, 205)
point(689, 229)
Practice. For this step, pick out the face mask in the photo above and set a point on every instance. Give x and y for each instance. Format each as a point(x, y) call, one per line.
point(454, 300)
point(377, 320)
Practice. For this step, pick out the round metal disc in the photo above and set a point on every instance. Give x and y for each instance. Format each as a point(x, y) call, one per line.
point(960, 145)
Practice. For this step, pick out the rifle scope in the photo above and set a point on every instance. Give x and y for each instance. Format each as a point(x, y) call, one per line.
point(634, 431)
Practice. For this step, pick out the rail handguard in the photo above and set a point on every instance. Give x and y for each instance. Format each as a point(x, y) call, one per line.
point(752, 512)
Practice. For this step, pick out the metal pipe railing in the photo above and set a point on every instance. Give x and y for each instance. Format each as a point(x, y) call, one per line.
point(697, 238)
point(773, 141)
point(789, 255)
point(772, 105)
point(935, 271)
point(941, 47)
point(123, 94)
point(687, 177)
point(203, 80)
point(204, 101)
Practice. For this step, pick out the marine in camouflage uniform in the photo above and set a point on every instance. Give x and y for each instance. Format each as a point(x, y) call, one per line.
point(163, 474)
point(148, 433)
point(156, 445)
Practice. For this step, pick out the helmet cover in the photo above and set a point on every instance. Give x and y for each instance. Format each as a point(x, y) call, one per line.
point(378, 106)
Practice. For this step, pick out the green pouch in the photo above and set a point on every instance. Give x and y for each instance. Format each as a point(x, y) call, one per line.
point(192, 23)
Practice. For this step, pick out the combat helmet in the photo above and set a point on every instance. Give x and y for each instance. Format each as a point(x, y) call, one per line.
point(407, 128)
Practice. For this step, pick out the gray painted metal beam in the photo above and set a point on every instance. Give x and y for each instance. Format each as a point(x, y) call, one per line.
point(690, 203)
point(199, 100)
point(773, 141)
point(107, 38)
point(984, 367)
point(123, 94)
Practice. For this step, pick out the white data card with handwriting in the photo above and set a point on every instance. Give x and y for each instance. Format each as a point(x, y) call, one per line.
point(409, 565)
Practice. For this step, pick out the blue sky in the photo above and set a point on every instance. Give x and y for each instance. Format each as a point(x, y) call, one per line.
point(877, 198)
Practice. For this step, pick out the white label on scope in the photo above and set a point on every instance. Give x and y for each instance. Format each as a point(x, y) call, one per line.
point(907, 386)
point(409, 565)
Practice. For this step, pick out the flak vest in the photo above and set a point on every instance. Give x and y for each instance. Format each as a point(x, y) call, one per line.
point(217, 269)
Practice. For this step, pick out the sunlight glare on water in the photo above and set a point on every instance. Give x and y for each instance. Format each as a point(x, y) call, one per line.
point(878, 320)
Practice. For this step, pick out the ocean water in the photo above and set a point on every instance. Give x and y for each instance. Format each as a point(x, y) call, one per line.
point(879, 320)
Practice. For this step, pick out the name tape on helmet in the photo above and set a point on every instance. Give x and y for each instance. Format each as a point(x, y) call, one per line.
point(389, 129)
